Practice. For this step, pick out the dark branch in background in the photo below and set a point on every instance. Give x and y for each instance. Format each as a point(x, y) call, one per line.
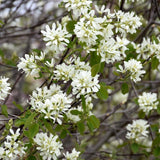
point(157, 8)
point(143, 32)
point(122, 4)
point(8, 66)
point(151, 20)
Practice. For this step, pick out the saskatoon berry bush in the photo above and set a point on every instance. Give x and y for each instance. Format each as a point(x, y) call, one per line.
point(79, 79)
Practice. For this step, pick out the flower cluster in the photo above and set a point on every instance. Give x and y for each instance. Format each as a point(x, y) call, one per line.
point(112, 50)
point(57, 37)
point(97, 33)
point(134, 67)
point(148, 102)
point(88, 28)
point(129, 22)
point(12, 149)
point(83, 83)
point(147, 48)
point(29, 65)
point(77, 6)
point(137, 130)
point(4, 87)
point(72, 156)
point(51, 102)
point(49, 146)
point(80, 73)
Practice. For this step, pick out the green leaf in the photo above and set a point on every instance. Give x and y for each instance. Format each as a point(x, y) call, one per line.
point(158, 109)
point(156, 141)
point(154, 63)
point(134, 147)
point(94, 58)
point(70, 26)
point(1, 53)
point(1, 23)
point(156, 151)
point(116, 73)
point(130, 53)
point(48, 126)
point(141, 114)
point(19, 122)
point(75, 112)
point(102, 93)
point(102, 67)
point(95, 69)
point(4, 110)
point(30, 120)
point(32, 130)
point(124, 88)
point(83, 103)
point(58, 128)
point(154, 38)
point(36, 51)
point(31, 158)
point(93, 122)
point(69, 89)
point(63, 134)
point(18, 106)
point(81, 127)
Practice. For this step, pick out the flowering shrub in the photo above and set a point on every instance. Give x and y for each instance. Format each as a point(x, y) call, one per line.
point(98, 87)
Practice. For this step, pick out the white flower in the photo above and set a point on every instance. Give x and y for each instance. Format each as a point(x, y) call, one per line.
point(143, 49)
point(4, 88)
point(49, 146)
point(109, 51)
point(77, 6)
point(86, 32)
point(84, 84)
point(147, 48)
point(41, 56)
point(51, 102)
point(28, 64)
point(137, 130)
point(122, 43)
point(50, 64)
point(148, 102)
point(72, 156)
point(64, 72)
point(134, 67)
point(56, 106)
point(67, 71)
point(107, 31)
point(65, 19)
point(127, 22)
point(12, 149)
point(80, 65)
point(102, 10)
point(41, 94)
point(93, 21)
point(56, 37)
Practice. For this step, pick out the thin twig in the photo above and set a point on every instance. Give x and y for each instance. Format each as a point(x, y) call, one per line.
point(134, 88)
